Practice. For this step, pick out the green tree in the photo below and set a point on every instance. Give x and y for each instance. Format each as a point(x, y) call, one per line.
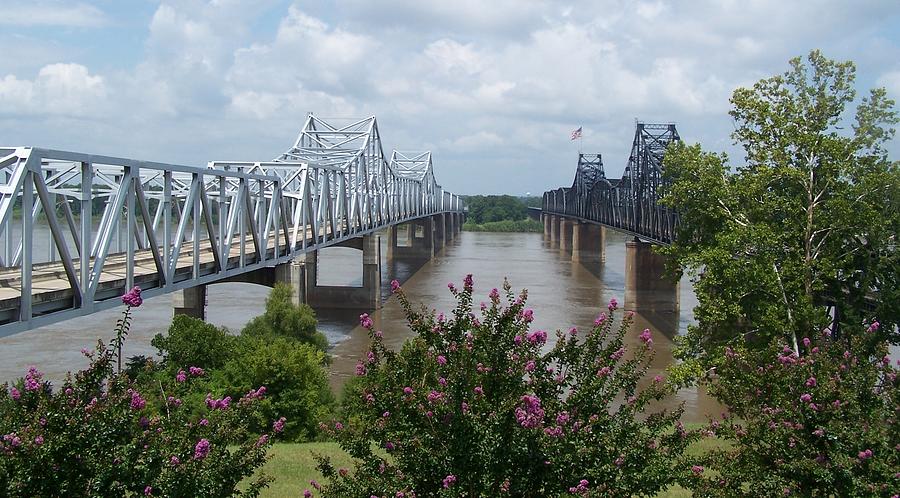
point(193, 343)
point(809, 222)
point(283, 318)
point(488, 208)
point(295, 381)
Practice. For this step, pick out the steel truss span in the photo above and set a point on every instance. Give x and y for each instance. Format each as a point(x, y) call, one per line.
point(630, 204)
point(113, 223)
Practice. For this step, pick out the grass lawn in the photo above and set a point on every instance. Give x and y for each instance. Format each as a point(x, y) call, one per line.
point(293, 466)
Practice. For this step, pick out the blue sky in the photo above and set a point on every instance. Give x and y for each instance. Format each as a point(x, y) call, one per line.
point(494, 89)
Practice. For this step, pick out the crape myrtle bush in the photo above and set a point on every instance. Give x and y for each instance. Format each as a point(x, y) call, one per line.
point(101, 434)
point(821, 423)
point(474, 407)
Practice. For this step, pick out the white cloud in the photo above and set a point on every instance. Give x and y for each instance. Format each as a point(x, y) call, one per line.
point(51, 14)
point(891, 82)
point(58, 89)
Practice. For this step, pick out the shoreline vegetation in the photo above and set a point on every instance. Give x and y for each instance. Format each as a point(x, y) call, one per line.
point(501, 213)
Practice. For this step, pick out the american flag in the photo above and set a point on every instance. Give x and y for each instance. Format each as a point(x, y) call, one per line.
point(576, 134)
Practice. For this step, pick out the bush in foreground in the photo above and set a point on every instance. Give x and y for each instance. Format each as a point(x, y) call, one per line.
point(474, 407)
point(103, 435)
point(821, 423)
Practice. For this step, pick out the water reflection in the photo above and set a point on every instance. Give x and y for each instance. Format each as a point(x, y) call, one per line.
point(563, 294)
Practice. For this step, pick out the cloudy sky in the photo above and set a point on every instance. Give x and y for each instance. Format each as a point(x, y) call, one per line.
point(493, 88)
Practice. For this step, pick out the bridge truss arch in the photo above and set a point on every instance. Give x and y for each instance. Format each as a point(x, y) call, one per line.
point(77, 230)
point(629, 204)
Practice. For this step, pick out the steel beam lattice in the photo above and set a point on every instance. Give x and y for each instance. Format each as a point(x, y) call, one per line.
point(630, 204)
point(77, 230)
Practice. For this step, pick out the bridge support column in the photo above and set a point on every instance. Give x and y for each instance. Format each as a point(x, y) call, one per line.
point(334, 296)
point(293, 273)
point(190, 302)
point(440, 230)
point(588, 243)
point(646, 284)
point(565, 234)
point(547, 223)
point(554, 231)
point(418, 242)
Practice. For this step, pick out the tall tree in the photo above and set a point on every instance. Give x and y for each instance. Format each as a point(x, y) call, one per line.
point(806, 229)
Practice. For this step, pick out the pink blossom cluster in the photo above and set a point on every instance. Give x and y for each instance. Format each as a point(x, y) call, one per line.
point(530, 415)
point(33, 379)
point(201, 450)
point(395, 286)
point(137, 402)
point(537, 337)
point(217, 404)
point(278, 425)
point(133, 298)
point(365, 321)
point(581, 488)
point(450, 480)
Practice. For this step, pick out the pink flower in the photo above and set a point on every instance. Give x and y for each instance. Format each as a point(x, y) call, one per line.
point(697, 469)
point(148, 491)
point(360, 369)
point(806, 398)
point(600, 319)
point(451, 286)
point(307, 493)
point(442, 360)
point(537, 337)
point(617, 354)
point(603, 372)
point(530, 415)
point(201, 450)
point(407, 390)
point(365, 321)
point(645, 337)
point(196, 371)
point(137, 402)
point(278, 425)
point(811, 382)
point(468, 282)
point(15, 394)
point(33, 379)
point(395, 286)
point(806, 341)
point(338, 426)
point(203, 422)
point(613, 304)
point(133, 298)
point(494, 295)
point(865, 455)
point(529, 367)
point(180, 376)
point(449, 481)
point(528, 315)
point(479, 390)
point(39, 440)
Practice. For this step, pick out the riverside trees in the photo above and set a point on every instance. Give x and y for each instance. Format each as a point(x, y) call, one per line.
point(796, 263)
point(809, 222)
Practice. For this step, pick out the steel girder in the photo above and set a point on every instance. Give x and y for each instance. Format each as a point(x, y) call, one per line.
point(113, 222)
point(630, 204)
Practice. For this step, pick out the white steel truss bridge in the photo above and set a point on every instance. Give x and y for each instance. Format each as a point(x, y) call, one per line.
point(77, 230)
point(630, 204)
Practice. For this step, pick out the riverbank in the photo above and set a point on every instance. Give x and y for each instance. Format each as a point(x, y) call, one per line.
point(527, 226)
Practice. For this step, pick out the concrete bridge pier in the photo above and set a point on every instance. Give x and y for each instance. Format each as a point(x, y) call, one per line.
point(414, 239)
point(565, 235)
point(190, 302)
point(303, 278)
point(554, 231)
point(440, 223)
point(646, 284)
point(545, 218)
point(588, 243)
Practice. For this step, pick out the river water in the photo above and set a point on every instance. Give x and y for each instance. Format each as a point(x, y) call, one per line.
point(563, 294)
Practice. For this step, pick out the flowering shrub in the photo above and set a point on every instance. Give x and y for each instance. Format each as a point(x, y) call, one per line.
point(101, 434)
point(821, 423)
point(473, 406)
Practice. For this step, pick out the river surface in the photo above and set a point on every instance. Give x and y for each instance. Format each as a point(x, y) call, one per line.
point(563, 294)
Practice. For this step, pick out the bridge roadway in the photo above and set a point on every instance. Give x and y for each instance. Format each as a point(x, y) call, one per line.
point(184, 227)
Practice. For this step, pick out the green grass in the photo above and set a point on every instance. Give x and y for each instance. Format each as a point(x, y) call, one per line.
point(293, 466)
